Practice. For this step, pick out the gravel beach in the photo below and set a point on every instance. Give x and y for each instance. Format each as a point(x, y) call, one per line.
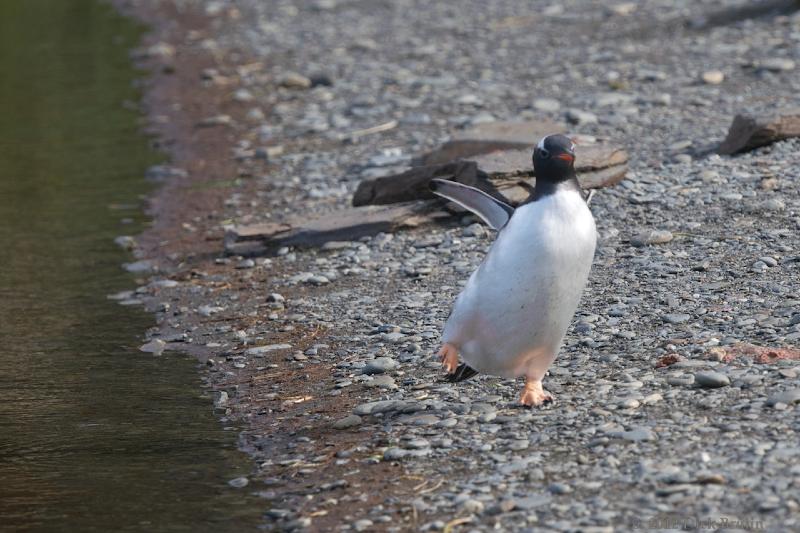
point(677, 390)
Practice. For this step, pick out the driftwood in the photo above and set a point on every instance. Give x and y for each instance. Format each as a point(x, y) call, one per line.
point(590, 158)
point(344, 225)
point(497, 173)
point(752, 131)
point(494, 157)
point(413, 184)
point(516, 190)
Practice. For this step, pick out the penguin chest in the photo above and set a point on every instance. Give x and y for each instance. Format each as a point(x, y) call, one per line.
point(519, 302)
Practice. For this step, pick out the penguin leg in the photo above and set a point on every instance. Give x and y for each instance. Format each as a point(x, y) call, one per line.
point(448, 354)
point(533, 394)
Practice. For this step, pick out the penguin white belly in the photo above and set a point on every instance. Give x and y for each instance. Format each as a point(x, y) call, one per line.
point(516, 307)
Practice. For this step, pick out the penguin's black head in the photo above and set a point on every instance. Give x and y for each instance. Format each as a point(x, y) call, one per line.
point(554, 159)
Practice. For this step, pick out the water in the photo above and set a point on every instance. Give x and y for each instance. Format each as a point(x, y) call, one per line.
point(94, 435)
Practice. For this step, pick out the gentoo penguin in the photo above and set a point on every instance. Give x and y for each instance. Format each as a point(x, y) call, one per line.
point(514, 311)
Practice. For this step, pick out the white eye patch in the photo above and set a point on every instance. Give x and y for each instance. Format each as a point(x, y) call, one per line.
point(540, 146)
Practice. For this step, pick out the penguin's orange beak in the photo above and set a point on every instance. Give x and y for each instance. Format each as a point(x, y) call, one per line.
point(569, 158)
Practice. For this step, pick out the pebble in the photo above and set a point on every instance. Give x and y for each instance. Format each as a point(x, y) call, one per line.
point(140, 267)
point(383, 381)
point(676, 318)
point(379, 365)
point(472, 506)
point(651, 237)
point(559, 488)
point(363, 525)
point(246, 263)
point(636, 435)
point(549, 105)
point(777, 64)
point(711, 380)
point(155, 347)
point(260, 351)
point(580, 118)
point(239, 482)
point(347, 422)
point(294, 80)
point(713, 77)
point(503, 506)
point(787, 397)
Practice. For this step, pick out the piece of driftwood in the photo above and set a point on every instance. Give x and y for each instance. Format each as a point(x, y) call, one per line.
point(749, 131)
point(413, 184)
point(511, 171)
point(509, 163)
point(497, 173)
point(345, 225)
point(515, 190)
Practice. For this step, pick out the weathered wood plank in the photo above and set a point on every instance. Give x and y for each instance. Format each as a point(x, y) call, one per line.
point(413, 184)
point(345, 225)
point(589, 158)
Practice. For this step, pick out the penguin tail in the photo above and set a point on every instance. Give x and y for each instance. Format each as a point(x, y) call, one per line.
point(463, 372)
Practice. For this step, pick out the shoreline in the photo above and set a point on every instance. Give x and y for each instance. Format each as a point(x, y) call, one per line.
point(285, 338)
point(195, 164)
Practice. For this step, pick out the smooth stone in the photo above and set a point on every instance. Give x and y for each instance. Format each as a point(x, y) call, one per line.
point(472, 506)
point(393, 454)
point(578, 117)
point(363, 525)
point(381, 406)
point(347, 422)
point(379, 365)
point(503, 506)
point(261, 350)
point(711, 379)
point(635, 435)
point(294, 80)
point(777, 64)
point(550, 105)
point(139, 267)
point(559, 488)
point(155, 347)
point(651, 237)
point(788, 397)
point(713, 77)
point(519, 445)
point(676, 318)
point(383, 381)
point(239, 482)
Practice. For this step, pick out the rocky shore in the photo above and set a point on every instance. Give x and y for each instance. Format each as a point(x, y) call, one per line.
point(678, 387)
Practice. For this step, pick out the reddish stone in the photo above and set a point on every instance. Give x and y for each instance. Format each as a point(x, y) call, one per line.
point(667, 360)
point(759, 354)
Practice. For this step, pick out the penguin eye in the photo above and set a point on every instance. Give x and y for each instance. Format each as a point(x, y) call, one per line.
point(544, 153)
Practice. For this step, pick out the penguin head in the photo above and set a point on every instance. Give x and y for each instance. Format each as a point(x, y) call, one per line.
point(554, 158)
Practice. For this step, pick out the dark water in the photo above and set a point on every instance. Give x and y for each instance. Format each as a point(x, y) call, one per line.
point(94, 435)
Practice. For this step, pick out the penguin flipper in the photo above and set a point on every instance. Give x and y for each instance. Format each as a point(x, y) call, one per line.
point(462, 373)
point(494, 212)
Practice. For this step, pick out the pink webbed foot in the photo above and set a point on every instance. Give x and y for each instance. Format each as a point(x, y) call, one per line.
point(449, 357)
point(534, 395)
